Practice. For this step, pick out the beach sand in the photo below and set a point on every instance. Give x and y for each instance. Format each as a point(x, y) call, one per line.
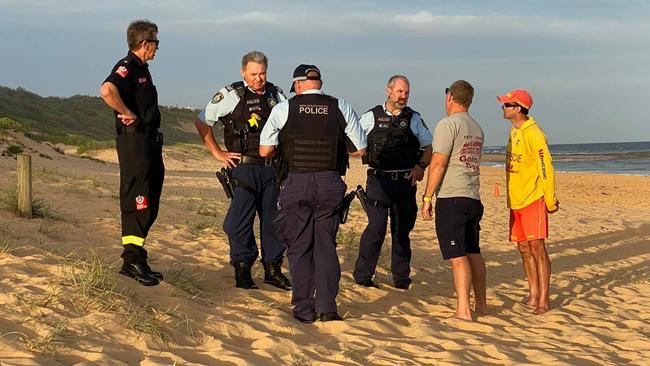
point(62, 301)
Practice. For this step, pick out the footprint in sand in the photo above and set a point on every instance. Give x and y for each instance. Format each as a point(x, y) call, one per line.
point(467, 325)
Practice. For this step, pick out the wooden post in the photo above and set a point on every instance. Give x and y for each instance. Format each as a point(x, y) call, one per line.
point(24, 191)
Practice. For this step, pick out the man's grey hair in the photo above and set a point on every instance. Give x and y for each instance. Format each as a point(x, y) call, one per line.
point(254, 56)
point(394, 78)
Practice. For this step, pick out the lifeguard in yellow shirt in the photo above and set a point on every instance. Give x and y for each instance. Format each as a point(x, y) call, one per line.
point(531, 194)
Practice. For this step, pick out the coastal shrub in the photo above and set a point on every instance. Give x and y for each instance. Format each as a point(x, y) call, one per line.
point(14, 149)
point(10, 124)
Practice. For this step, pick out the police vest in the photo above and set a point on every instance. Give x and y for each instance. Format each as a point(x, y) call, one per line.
point(392, 145)
point(313, 138)
point(243, 125)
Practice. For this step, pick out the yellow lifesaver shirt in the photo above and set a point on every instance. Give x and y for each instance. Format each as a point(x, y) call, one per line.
point(529, 167)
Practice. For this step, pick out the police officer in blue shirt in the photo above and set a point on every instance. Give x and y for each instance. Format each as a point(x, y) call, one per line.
point(314, 134)
point(399, 150)
point(243, 108)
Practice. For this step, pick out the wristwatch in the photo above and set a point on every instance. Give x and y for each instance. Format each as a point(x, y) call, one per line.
point(422, 164)
point(426, 198)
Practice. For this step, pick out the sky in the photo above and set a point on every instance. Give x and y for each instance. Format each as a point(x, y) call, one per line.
point(584, 62)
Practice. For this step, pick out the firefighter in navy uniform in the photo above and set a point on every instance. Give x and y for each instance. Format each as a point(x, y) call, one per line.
point(399, 150)
point(130, 92)
point(243, 108)
point(314, 134)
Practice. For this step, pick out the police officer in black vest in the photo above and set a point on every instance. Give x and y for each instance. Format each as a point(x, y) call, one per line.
point(243, 108)
point(399, 150)
point(130, 92)
point(314, 134)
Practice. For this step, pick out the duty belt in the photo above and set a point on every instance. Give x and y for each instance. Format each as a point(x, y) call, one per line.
point(394, 175)
point(124, 129)
point(245, 159)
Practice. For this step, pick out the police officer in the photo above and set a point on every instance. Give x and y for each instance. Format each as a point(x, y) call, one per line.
point(399, 150)
point(129, 90)
point(314, 133)
point(243, 107)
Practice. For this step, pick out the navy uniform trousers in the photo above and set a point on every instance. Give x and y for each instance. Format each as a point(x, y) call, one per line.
point(398, 198)
point(238, 224)
point(142, 173)
point(308, 222)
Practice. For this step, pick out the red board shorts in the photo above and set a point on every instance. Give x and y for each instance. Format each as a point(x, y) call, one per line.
point(530, 222)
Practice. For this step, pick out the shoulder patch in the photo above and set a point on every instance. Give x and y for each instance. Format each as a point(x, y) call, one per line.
point(122, 71)
point(217, 98)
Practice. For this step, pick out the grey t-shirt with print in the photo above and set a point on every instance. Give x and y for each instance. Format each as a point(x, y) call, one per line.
point(460, 137)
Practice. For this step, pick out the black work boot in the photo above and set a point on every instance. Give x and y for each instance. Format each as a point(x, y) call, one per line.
point(243, 277)
point(273, 275)
point(139, 272)
point(153, 273)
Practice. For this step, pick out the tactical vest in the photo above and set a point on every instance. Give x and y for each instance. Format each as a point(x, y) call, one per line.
point(392, 145)
point(242, 127)
point(313, 138)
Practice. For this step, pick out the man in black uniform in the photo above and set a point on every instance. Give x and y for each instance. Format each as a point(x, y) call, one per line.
point(314, 133)
point(399, 150)
point(129, 90)
point(243, 108)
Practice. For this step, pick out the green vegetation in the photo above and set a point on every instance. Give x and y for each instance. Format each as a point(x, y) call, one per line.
point(80, 120)
point(40, 208)
point(14, 149)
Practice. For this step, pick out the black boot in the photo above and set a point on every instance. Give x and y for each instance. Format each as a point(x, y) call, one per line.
point(153, 273)
point(273, 275)
point(243, 277)
point(139, 272)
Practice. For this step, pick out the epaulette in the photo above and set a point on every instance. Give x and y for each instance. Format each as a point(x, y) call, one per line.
point(238, 87)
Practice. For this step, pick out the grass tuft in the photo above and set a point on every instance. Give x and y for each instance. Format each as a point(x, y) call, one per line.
point(40, 208)
point(191, 284)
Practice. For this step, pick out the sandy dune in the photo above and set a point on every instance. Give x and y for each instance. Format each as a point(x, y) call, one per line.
point(62, 301)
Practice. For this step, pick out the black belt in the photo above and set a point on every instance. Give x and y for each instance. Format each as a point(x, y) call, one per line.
point(245, 159)
point(124, 129)
point(392, 175)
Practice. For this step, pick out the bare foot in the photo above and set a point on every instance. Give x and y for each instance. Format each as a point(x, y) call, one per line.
point(530, 302)
point(541, 310)
point(467, 317)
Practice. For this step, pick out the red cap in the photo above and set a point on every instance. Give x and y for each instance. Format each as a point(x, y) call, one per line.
point(518, 96)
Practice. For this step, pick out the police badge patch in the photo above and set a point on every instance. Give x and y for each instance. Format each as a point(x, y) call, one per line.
point(217, 98)
point(402, 124)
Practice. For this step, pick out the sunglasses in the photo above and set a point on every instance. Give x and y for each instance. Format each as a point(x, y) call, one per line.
point(157, 42)
point(446, 91)
point(509, 105)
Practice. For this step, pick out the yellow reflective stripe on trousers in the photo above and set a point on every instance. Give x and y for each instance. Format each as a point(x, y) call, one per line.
point(132, 239)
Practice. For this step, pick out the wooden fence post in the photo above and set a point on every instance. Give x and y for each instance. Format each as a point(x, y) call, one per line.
point(24, 190)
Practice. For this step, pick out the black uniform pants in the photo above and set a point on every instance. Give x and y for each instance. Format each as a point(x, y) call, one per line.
point(141, 179)
point(239, 220)
point(397, 199)
point(308, 222)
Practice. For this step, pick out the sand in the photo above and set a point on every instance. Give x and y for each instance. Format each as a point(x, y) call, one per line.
point(63, 303)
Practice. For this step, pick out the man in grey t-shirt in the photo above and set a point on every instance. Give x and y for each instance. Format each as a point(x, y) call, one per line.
point(454, 177)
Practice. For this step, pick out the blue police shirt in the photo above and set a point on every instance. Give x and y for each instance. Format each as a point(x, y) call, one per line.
point(223, 103)
point(270, 135)
point(417, 125)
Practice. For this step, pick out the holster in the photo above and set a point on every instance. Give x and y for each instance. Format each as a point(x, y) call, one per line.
point(365, 201)
point(225, 178)
point(363, 198)
point(344, 209)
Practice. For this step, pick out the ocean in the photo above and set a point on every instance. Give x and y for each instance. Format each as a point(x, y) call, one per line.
point(630, 158)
